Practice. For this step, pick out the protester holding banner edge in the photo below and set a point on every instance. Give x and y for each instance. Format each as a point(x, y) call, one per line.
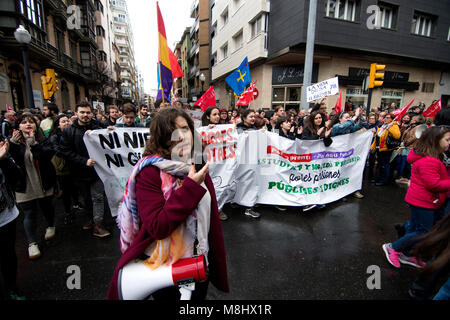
point(212, 117)
point(248, 124)
point(73, 149)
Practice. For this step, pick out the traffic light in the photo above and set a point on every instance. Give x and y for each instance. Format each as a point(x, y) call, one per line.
point(45, 88)
point(49, 83)
point(375, 77)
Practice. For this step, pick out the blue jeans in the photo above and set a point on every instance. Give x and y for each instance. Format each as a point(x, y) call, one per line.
point(403, 167)
point(30, 210)
point(444, 292)
point(421, 222)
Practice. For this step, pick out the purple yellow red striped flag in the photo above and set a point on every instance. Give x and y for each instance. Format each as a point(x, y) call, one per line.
point(164, 70)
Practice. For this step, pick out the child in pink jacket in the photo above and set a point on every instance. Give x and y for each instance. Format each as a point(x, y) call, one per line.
point(427, 193)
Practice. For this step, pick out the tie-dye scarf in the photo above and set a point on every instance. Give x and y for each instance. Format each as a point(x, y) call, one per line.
point(174, 247)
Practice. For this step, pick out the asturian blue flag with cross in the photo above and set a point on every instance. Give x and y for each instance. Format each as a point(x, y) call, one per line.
point(239, 78)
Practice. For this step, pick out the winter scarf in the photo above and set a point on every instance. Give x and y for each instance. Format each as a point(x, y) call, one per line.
point(180, 243)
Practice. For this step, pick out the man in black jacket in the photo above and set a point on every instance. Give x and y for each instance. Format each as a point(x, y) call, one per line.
point(73, 149)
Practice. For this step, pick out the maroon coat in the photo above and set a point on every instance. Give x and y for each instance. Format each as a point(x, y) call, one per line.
point(160, 218)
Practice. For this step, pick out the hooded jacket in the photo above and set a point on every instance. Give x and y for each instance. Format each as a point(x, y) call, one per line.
point(429, 182)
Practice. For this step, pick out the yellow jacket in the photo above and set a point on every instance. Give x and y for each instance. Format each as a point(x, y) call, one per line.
point(395, 133)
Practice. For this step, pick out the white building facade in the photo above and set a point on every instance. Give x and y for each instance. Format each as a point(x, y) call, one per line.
point(123, 35)
point(239, 30)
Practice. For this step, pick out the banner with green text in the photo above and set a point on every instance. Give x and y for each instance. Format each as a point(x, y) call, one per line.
point(255, 167)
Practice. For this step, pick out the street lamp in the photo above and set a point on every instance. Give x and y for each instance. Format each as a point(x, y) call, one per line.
point(23, 37)
point(202, 80)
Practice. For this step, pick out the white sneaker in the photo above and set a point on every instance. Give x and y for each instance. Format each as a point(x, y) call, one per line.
point(358, 195)
point(49, 233)
point(33, 251)
point(310, 207)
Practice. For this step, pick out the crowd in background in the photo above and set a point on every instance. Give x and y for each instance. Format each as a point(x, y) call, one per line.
point(43, 156)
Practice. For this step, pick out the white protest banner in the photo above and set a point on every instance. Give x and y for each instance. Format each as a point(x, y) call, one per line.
point(221, 145)
point(196, 116)
point(301, 172)
point(319, 90)
point(250, 168)
point(115, 152)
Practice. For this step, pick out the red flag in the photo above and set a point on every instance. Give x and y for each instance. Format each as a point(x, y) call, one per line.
point(402, 112)
point(338, 106)
point(175, 66)
point(433, 109)
point(248, 95)
point(208, 99)
point(8, 108)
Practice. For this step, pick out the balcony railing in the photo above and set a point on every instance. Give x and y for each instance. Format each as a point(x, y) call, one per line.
point(64, 61)
point(193, 50)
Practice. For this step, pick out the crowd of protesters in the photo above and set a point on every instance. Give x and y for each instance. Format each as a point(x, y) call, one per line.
point(43, 156)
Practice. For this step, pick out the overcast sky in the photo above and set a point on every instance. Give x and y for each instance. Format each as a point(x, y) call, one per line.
point(145, 31)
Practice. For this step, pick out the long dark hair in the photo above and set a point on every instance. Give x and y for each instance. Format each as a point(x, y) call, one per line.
point(161, 129)
point(206, 114)
point(428, 144)
point(309, 123)
point(435, 245)
point(55, 126)
point(26, 115)
point(280, 121)
point(227, 120)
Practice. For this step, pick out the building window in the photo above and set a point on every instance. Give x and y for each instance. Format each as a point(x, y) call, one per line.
point(214, 59)
point(213, 30)
point(287, 96)
point(224, 17)
point(388, 15)
point(225, 51)
point(428, 87)
point(99, 6)
point(422, 25)
point(257, 26)
point(238, 40)
point(341, 9)
point(100, 31)
point(102, 56)
point(32, 9)
point(389, 96)
point(73, 49)
point(356, 97)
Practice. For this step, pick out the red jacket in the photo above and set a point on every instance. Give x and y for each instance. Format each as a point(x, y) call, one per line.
point(429, 182)
point(160, 218)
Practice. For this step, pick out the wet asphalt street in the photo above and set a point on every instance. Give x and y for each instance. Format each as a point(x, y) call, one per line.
point(319, 255)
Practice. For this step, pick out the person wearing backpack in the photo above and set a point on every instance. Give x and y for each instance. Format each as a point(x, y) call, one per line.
point(169, 208)
point(387, 139)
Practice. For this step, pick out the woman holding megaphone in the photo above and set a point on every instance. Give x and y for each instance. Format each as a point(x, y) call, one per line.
point(169, 218)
